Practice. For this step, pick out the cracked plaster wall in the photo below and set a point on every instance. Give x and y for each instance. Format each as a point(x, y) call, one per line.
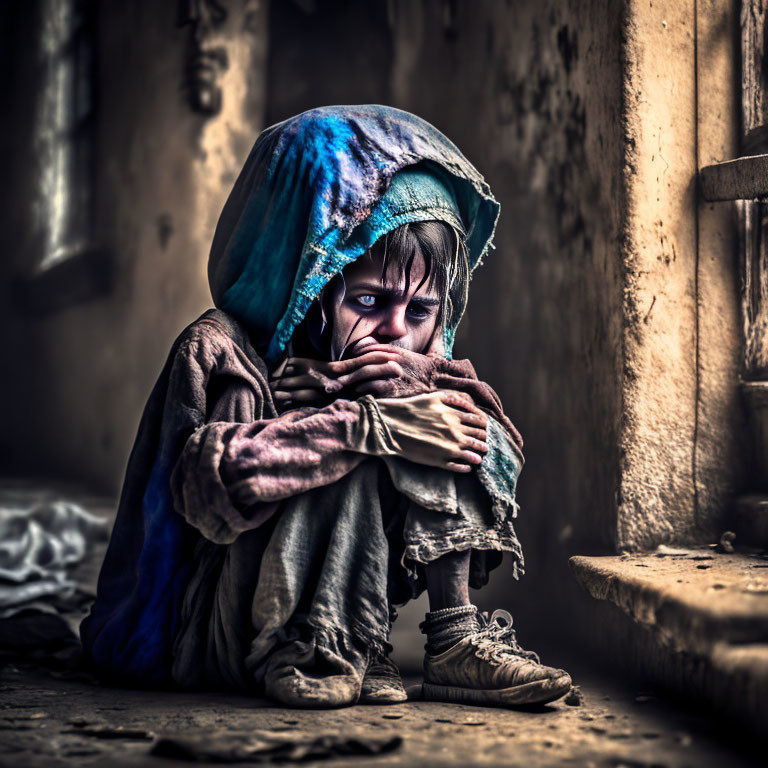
point(536, 105)
point(163, 175)
point(607, 317)
point(682, 440)
point(659, 255)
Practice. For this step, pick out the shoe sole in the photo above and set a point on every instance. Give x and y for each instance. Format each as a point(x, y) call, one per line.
point(306, 692)
point(537, 692)
point(393, 697)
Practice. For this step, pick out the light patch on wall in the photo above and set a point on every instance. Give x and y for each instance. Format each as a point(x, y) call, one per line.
point(226, 139)
point(62, 132)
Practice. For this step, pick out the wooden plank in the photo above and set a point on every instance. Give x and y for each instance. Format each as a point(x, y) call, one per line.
point(745, 178)
point(748, 177)
point(753, 289)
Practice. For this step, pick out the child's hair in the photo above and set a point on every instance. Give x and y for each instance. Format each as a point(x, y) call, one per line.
point(444, 251)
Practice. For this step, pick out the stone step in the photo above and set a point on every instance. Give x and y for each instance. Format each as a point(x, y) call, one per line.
point(694, 598)
point(699, 623)
point(740, 676)
point(750, 520)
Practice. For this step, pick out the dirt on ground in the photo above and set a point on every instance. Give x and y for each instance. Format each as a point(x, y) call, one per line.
point(50, 721)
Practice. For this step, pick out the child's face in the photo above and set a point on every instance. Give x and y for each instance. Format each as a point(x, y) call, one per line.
point(397, 311)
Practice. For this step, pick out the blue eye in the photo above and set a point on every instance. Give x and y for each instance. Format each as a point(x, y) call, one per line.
point(367, 300)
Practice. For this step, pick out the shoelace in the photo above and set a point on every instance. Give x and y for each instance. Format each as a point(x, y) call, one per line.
point(497, 641)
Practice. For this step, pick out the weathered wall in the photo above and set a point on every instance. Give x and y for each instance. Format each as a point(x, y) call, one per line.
point(659, 254)
point(606, 318)
point(721, 460)
point(681, 438)
point(19, 376)
point(164, 173)
point(327, 52)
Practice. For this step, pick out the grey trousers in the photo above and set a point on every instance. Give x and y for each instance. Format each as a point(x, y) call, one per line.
point(313, 587)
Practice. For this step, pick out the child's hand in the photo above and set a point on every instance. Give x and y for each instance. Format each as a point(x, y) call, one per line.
point(439, 429)
point(414, 379)
point(300, 381)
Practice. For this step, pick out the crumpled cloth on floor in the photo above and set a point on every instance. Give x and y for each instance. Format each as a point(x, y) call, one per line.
point(38, 544)
point(271, 747)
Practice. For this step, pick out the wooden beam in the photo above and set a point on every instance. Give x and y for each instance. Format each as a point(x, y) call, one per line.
point(745, 178)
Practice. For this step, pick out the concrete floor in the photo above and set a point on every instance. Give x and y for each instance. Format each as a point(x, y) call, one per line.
point(46, 721)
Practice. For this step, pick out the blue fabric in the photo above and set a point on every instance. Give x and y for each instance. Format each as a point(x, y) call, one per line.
point(132, 622)
point(294, 217)
point(151, 612)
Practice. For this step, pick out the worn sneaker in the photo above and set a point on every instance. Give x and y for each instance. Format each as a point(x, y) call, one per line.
point(490, 668)
point(382, 683)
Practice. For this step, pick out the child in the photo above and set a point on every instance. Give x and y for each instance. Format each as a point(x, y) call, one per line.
point(311, 455)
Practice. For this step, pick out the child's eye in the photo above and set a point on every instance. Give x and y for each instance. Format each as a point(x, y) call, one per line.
point(417, 312)
point(367, 300)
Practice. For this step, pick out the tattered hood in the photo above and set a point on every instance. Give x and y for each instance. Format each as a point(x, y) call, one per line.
point(317, 191)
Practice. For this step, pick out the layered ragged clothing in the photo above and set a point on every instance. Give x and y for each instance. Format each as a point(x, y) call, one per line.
point(240, 464)
point(243, 534)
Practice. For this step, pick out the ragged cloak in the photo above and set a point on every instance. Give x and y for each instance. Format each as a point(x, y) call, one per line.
point(310, 200)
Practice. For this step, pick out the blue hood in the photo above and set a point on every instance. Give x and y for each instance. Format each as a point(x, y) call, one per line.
point(313, 197)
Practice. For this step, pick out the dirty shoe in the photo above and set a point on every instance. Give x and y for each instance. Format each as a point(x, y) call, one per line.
point(294, 688)
point(382, 683)
point(306, 674)
point(489, 668)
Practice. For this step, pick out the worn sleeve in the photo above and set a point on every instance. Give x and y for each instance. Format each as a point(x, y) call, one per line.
point(231, 476)
point(428, 373)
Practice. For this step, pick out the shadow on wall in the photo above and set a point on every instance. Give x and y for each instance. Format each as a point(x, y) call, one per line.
point(157, 173)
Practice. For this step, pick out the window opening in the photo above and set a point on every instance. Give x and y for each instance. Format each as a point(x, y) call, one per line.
point(64, 131)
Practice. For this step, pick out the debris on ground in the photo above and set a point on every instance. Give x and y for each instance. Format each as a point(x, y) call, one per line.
point(270, 747)
point(664, 550)
point(574, 698)
point(110, 732)
point(725, 545)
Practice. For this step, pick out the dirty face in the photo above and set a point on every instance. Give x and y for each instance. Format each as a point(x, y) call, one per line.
point(371, 308)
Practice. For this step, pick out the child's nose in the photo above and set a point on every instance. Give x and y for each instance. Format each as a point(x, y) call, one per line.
point(393, 325)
